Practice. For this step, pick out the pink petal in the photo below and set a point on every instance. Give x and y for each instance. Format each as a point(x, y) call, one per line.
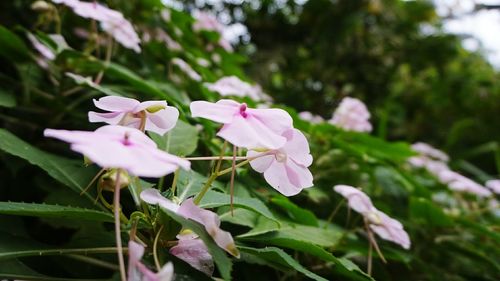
point(162, 121)
point(211, 222)
point(135, 253)
point(391, 230)
point(297, 147)
point(194, 252)
point(250, 133)
point(152, 196)
point(277, 120)
point(112, 118)
point(278, 177)
point(262, 163)
point(146, 104)
point(135, 136)
point(166, 273)
point(116, 104)
point(223, 111)
point(356, 199)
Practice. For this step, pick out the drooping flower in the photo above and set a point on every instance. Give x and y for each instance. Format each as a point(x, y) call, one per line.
point(137, 271)
point(384, 226)
point(494, 185)
point(189, 210)
point(457, 182)
point(246, 127)
point(352, 115)
point(187, 69)
point(429, 151)
point(308, 116)
point(191, 249)
point(121, 147)
point(234, 86)
point(285, 169)
point(111, 21)
point(155, 116)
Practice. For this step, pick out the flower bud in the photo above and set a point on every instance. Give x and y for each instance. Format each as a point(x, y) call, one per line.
point(108, 180)
point(41, 6)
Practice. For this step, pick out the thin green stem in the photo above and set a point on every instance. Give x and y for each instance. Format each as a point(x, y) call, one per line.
point(94, 261)
point(334, 212)
point(161, 182)
point(155, 251)
point(174, 182)
point(229, 170)
point(118, 237)
point(205, 188)
point(231, 185)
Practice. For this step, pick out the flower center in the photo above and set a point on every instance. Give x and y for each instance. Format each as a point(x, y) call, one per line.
point(374, 218)
point(126, 140)
point(243, 109)
point(280, 156)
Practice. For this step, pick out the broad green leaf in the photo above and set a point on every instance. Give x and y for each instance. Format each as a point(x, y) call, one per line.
point(424, 209)
point(53, 211)
point(7, 99)
point(11, 46)
point(392, 182)
point(190, 183)
point(275, 255)
point(181, 140)
point(213, 199)
point(295, 212)
point(223, 263)
point(69, 172)
point(262, 225)
point(341, 266)
point(87, 81)
point(239, 216)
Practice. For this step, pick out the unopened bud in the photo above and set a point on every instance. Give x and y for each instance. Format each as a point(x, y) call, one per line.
point(41, 6)
point(109, 180)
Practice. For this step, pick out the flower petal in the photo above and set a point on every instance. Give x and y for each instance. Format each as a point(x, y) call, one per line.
point(357, 200)
point(222, 111)
point(112, 118)
point(153, 196)
point(278, 177)
point(297, 147)
point(277, 120)
point(194, 252)
point(162, 121)
point(116, 104)
point(262, 163)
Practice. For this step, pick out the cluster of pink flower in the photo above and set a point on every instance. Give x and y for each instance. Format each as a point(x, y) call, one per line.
point(208, 22)
point(435, 162)
point(234, 86)
point(352, 115)
point(385, 227)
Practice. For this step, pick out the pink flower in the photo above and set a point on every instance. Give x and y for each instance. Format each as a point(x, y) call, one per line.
point(155, 116)
point(137, 271)
point(234, 86)
point(112, 22)
point(285, 169)
point(457, 182)
point(45, 51)
point(187, 69)
point(208, 22)
point(386, 227)
point(189, 210)
point(169, 42)
point(427, 150)
point(494, 185)
point(308, 116)
point(352, 115)
point(246, 127)
point(193, 251)
point(121, 147)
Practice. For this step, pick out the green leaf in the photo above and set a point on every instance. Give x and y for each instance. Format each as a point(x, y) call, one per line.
point(190, 183)
point(274, 255)
point(11, 46)
point(53, 211)
point(69, 172)
point(224, 264)
point(213, 199)
point(426, 210)
point(181, 140)
point(295, 212)
point(7, 99)
point(87, 81)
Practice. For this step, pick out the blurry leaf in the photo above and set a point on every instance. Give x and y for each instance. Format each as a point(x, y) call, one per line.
point(277, 256)
point(87, 81)
point(213, 199)
point(69, 172)
point(190, 183)
point(392, 182)
point(54, 211)
point(182, 140)
point(11, 46)
point(7, 99)
point(421, 208)
point(295, 212)
point(224, 264)
point(480, 228)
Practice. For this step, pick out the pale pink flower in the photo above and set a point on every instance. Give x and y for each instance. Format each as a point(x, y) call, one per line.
point(457, 182)
point(234, 86)
point(45, 51)
point(157, 115)
point(494, 185)
point(384, 226)
point(352, 115)
point(171, 44)
point(189, 210)
point(285, 169)
point(225, 44)
point(208, 22)
point(308, 116)
point(111, 21)
point(246, 127)
point(193, 251)
point(121, 147)
point(187, 69)
point(137, 271)
point(429, 151)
